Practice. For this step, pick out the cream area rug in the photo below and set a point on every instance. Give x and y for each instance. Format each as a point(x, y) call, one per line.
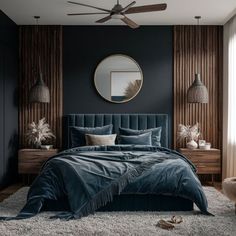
point(122, 223)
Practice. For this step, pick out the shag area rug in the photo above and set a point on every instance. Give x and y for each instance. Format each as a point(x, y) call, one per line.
point(122, 223)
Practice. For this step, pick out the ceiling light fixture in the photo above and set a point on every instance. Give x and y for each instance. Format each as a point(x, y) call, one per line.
point(117, 16)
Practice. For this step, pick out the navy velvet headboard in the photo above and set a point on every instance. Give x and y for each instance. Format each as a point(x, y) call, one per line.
point(133, 121)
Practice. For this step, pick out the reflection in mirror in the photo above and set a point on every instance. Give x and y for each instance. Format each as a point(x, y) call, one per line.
point(118, 78)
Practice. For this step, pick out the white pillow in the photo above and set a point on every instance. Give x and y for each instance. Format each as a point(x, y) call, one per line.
point(93, 139)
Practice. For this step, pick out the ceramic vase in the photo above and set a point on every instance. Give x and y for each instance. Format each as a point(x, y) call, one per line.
point(192, 144)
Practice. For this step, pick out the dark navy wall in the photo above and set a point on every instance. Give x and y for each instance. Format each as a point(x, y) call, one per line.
point(8, 100)
point(85, 46)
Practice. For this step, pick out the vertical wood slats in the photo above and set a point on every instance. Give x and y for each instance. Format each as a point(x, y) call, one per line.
point(209, 56)
point(50, 51)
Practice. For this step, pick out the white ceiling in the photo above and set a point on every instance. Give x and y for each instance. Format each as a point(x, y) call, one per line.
point(53, 12)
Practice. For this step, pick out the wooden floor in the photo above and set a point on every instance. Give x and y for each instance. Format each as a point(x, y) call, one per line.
point(216, 185)
point(5, 193)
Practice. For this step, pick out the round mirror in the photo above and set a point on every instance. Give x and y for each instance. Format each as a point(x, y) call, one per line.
point(118, 78)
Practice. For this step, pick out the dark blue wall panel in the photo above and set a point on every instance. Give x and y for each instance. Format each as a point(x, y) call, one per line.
point(85, 46)
point(8, 100)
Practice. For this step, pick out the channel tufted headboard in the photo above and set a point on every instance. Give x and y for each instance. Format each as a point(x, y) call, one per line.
point(132, 121)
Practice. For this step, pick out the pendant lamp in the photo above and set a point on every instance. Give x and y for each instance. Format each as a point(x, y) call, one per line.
point(39, 91)
point(197, 92)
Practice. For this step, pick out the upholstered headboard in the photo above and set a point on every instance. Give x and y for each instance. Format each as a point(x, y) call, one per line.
point(132, 121)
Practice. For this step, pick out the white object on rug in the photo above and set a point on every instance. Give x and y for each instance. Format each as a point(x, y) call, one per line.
point(122, 223)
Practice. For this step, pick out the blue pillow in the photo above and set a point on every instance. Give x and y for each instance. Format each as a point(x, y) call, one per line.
point(156, 134)
point(141, 139)
point(77, 134)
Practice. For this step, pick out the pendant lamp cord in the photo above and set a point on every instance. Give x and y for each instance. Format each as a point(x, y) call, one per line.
point(198, 43)
point(37, 34)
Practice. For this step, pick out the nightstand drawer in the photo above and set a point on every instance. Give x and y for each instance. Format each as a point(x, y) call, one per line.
point(34, 157)
point(205, 156)
point(30, 161)
point(213, 168)
point(205, 161)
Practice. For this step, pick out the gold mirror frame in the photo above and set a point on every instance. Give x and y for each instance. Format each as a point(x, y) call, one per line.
point(122, 55)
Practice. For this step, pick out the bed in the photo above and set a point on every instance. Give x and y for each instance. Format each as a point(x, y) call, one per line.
point(84, 179)
point(130, 202)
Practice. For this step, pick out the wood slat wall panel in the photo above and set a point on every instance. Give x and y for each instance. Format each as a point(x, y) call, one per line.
point(50, 51)
point(209, 56)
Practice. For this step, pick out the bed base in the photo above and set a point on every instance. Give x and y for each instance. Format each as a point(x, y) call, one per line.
point(132, 202)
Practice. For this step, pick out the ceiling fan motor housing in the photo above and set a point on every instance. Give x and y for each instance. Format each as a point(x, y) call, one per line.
point(116, 12)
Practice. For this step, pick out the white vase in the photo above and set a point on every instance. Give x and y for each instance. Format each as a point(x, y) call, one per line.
point(192, 144)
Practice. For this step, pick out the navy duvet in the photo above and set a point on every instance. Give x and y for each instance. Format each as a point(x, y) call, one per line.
point(90, 176)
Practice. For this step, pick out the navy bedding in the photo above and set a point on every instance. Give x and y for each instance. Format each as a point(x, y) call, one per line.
point(90, 176)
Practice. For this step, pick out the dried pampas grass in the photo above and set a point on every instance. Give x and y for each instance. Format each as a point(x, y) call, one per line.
point(38, 132)
point(132, 89)
point(188, 132)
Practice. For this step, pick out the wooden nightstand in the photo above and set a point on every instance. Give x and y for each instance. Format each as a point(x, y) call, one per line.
point(30, 161)
point(206, 161)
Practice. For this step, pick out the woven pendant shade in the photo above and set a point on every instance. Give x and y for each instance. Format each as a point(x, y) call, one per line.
point(197, 92)
point(39, 92)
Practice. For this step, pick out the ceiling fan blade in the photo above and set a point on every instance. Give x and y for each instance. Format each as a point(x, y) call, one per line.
point(147, 8)
point(85, 5)
point(130, 23)
point(107, 18)
point(128, 6)
point(84, 14)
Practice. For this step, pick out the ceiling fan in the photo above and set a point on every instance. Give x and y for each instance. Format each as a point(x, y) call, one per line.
point(119, 12)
